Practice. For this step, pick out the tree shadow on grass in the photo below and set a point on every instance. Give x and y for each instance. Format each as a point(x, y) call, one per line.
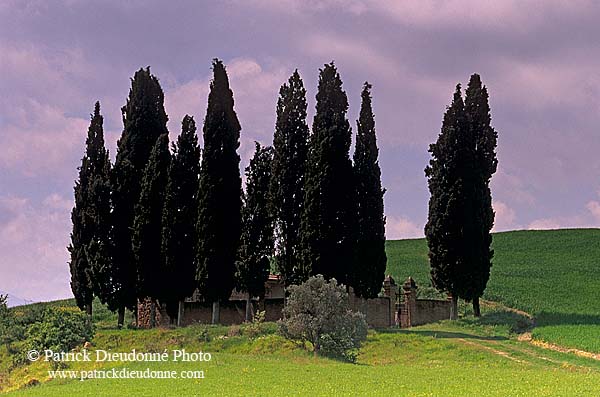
point(440, 334)
point(551, 318)
point(515, 321)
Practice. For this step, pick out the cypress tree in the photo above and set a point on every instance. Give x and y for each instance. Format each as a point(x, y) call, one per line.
point(478, 238)
point(256, 247)
point(90, 236)
point(445, 174)
point(147, 225)
point(290, 150)
point(329, 213)
point(99, 249)
point(369, 271)
point(220, 188)
point(144, 120)
point(179, 218)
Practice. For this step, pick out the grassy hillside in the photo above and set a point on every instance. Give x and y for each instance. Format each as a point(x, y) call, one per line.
point(450, 359)
point(554, 275)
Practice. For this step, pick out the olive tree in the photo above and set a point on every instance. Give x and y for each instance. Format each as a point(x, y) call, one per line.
point(318, 312)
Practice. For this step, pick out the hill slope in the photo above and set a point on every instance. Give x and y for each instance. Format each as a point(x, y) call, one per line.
point(552, 274)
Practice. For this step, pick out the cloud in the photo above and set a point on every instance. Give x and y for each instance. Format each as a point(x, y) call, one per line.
point(397, 227)
point(33, 240)
point(545, 224)
point(45, 141)
point(505, 217)
point(593, 207)
point(511, 187)
point(255, 89)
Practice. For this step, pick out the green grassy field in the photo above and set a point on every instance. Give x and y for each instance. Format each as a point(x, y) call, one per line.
point(461, 359)
point(554, 275)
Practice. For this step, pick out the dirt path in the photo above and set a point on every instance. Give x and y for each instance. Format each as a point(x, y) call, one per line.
point(520, 354)
point(527, 337)
point(580, 353)
point(495, 351)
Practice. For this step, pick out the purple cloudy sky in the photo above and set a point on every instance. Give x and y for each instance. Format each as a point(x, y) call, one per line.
point(539, 59)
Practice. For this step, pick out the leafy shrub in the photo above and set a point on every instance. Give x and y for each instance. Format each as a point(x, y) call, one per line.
point(234, 330)
point(10, 329)
point(204, 336)
point(318, 312)
point(257, 327)
point(59, 330)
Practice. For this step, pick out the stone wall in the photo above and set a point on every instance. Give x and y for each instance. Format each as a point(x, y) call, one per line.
point(430, 311)
point(232, 312)
point(413, 311)
point(144, 314)
point(381, 312)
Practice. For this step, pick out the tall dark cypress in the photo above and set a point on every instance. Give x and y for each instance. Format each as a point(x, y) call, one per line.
point(179, 218)
point(99, 249)
point(445, 174)
point(147, 224)
point(90, 238)
point(329, 214)
point(144, 120)
point(369, 267)
point(219, 213)
point(290, 150)
point(257, 241)
point(478, 238)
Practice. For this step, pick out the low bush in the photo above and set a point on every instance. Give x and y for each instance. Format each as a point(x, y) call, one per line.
point(59, 330)
point(318, 312)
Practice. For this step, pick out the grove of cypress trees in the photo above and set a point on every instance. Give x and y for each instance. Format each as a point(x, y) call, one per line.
point(290, 150)
point(219, 213)
point(478, 238)
point(147, 225)
point(144, 120)
point(256, 244)
point(90, 238)
point(329, 214)
point(179, 219)
point(445, 174)
point(369, 267)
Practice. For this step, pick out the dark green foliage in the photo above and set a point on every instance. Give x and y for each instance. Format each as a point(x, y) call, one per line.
point(444, 225)
point(460, 207)
point(256, 245)
point(10, 329)
point(179, 217)
point(91, 223)
point(290, 150)
point(369, 267)
point(484, 138)
point(59, 330)
point(219, 213)
point(148, 226)
point(329, 213)
point(144, 120)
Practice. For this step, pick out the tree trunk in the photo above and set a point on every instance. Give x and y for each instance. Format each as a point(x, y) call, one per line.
point(88, 310)
point(216, 312)
point(316, 348)
point(180, 314)
point(454, 308)
point(152, 313)
point(121, 314)
point(248, 309)
point(476, 308)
